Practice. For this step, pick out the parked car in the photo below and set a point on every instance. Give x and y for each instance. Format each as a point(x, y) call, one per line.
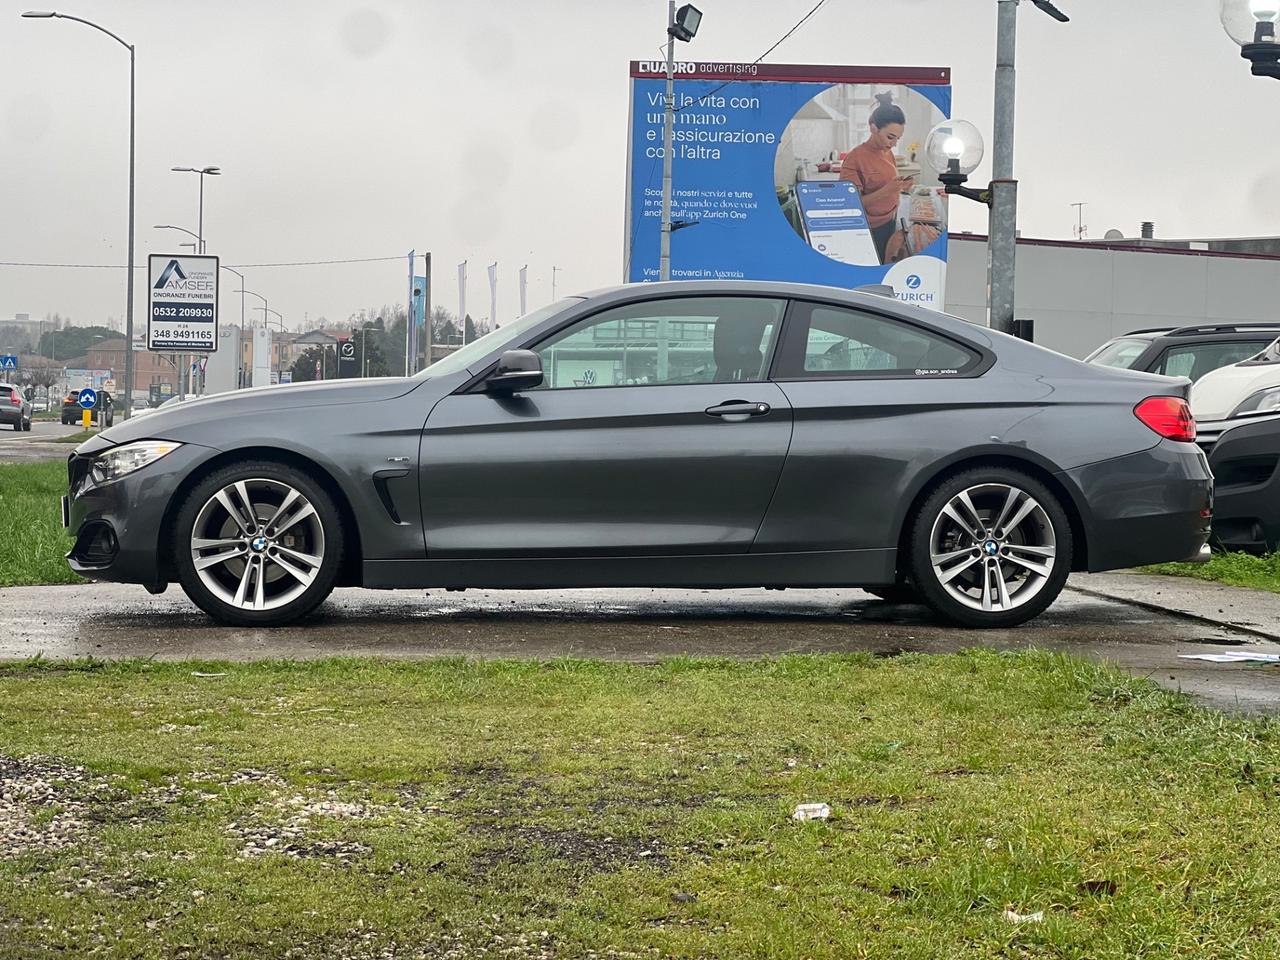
point(72, 412)
point(15, 408)
point(145, 410)
point(1238, 407)
point(1185, 351)
point(40, 405)
point(692, 434)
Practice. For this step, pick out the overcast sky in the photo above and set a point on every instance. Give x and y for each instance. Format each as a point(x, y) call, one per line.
point(497, 131)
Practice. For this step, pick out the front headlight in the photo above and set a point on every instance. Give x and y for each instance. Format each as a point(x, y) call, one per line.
point(1264, 401)
point(123, 460)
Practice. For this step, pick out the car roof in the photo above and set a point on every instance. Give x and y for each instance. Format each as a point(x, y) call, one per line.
point(1216, 330)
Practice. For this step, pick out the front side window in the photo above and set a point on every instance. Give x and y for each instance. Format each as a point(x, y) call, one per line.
point(837, 341)
point(673, 341)
point(1197, 359)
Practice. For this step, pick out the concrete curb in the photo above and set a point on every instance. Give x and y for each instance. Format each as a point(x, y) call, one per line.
point(1253, 612)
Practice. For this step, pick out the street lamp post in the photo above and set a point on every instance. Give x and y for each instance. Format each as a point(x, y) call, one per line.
point(128, 323)
point(203, 172)
point(1002, 236)
point(1252, 24)
point(683, 25)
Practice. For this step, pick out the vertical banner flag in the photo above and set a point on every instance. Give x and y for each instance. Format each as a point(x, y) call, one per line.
point(801, 172)
point(462, 295)
point(524, 286)
point(493, 295)
point(411, 327)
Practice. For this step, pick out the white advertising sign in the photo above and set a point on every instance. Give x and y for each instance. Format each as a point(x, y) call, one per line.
point(182, 310)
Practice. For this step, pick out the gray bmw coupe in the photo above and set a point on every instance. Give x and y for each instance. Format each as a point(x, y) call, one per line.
point(708, 434)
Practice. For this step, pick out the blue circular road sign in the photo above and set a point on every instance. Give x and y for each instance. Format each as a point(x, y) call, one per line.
point(88, 398)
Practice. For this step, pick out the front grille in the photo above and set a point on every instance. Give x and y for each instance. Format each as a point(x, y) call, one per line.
point(1245, 471)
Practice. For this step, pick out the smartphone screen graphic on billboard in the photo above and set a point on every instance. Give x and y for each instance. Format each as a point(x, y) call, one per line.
point(835, 223)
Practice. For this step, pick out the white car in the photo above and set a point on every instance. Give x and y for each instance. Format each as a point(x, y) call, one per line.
point(1250, 388)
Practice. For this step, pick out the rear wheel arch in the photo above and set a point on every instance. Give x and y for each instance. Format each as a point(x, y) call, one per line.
point(348, 575)
point(1069, 499)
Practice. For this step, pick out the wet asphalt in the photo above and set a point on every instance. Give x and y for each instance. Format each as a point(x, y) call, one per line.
point(115, 621)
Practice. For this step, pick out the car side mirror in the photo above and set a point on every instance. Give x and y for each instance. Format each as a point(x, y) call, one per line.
point(516, 370)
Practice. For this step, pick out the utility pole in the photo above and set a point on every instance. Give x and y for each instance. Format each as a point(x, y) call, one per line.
point(1002, 241)
point(668, 127)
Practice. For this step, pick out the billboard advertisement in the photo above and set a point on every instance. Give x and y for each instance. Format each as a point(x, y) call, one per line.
point(814, 174)
point(182, 309)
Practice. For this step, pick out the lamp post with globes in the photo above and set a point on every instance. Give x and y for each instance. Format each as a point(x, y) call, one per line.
point(954, 149)
point(1252, 24)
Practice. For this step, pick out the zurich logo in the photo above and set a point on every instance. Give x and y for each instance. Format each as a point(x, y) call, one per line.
point(991, 548)
point(913, 281)
point(258, 544)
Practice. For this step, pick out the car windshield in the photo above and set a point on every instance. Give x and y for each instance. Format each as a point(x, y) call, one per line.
point(463, 357)
point(1119, 353)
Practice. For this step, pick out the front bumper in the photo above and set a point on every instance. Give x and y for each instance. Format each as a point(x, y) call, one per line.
point(1245, 457)
point(118, 526)
point(1149, 507)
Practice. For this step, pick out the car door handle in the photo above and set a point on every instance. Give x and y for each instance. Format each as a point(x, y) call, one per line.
point(738, 410)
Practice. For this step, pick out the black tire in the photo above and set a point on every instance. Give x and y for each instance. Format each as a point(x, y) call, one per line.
point(327, 515)
point(26, 425)
point(898, 593)
point(939, 597)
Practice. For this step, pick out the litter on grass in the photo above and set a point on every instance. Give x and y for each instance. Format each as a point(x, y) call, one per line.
point(811, 811)
point(1232, 657)
point(1014, 917)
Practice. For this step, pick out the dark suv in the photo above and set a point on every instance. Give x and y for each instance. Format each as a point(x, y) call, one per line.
point(1186, 351)
point(1244, 453)
point(72, 412)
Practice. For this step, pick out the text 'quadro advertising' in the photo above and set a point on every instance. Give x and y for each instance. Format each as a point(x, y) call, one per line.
point(806, 173)
point(183, 303)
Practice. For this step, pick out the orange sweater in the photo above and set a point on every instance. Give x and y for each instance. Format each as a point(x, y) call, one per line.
point(871, 171)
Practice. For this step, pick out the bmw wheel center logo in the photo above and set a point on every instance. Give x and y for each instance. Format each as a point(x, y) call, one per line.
point(991, 548)
point(258, 544)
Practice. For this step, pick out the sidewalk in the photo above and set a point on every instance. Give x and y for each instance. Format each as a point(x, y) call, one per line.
point(1250, 611)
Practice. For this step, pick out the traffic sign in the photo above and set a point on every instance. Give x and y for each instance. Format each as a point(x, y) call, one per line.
point(88, 398)
point(8, 362)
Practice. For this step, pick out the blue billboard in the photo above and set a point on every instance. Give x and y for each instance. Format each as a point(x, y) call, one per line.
point(806, 173)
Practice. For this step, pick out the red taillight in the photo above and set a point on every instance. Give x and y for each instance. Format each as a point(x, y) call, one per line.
point(17, 400)
point(1168, 416)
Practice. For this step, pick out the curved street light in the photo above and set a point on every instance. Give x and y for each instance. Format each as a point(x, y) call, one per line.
point(204, 172)
point(128, 322)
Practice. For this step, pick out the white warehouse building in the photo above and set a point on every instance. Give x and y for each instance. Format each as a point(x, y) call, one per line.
point(1081, 293)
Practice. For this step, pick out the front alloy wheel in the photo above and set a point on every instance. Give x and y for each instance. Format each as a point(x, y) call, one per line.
point(258, 545)
point(997, 547)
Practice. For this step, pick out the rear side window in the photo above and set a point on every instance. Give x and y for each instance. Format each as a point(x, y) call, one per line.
point(1122, 353)
point(825, 341)
point(1194, 360)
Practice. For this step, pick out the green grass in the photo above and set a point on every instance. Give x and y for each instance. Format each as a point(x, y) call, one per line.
point(32, 541)
point(80, 436)
point(460, 809)
point(1236, 569)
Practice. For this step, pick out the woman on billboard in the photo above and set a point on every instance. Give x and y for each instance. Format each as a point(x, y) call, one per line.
point(873, 169)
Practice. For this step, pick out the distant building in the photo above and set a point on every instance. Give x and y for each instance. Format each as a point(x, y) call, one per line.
point(1082, 293)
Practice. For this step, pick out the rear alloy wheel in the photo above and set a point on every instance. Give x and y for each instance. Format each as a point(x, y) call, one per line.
point(258, 544)
point(990, 548)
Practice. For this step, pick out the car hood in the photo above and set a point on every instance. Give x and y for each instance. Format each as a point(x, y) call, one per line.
point(260, 400)
point(1218, 393)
